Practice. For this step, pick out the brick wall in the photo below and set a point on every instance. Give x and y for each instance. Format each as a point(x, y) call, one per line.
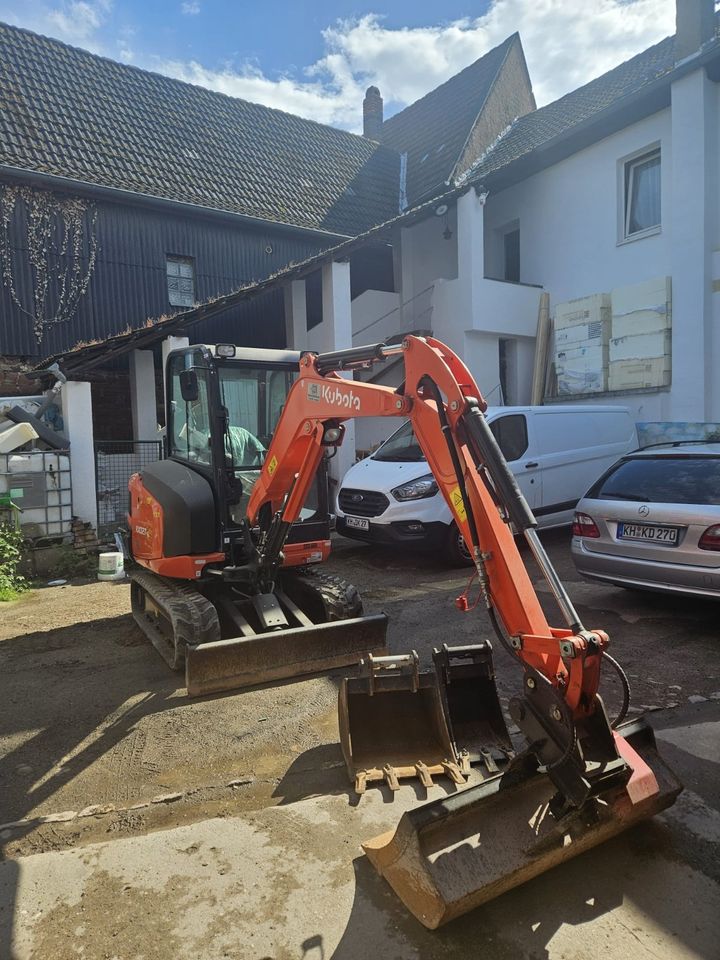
point(13, 382)
point(112, 417)
point(112, 413)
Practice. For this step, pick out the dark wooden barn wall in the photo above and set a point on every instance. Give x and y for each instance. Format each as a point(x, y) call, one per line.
point(129, 284)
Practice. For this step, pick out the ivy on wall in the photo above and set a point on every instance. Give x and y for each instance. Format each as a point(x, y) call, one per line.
point(53, 237)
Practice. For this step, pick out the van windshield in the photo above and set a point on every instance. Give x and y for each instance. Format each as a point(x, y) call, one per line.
point(401, 447)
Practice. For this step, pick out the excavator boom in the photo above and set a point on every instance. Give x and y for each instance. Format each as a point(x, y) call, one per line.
point(593, 781)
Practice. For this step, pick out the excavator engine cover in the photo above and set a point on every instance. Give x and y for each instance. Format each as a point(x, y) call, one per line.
point(451, 855)
point(466, 680)
point(392, 724)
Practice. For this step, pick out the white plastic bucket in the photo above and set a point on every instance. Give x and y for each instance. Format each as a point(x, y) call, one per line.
point(111, 566)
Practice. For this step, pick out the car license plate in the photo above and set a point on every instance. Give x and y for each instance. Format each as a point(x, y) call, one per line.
point(643, 531)
point(358, 523)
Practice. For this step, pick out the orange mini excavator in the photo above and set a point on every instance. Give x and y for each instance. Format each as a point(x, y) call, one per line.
point(582, 778)
point(235, 606)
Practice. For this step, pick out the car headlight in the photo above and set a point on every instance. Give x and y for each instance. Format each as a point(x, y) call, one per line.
point(417, 489)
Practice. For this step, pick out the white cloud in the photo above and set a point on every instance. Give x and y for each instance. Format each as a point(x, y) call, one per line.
point(566, 42)
point(78, 22)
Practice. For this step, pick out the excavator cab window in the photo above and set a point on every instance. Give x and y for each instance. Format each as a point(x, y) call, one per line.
point(254, 397)
point(189, 427)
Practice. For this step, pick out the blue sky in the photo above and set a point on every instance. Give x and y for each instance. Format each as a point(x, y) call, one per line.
point(317, 58)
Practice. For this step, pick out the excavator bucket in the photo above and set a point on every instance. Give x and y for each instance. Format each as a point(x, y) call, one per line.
point(451, 855)
point(295, 653)
point(392, 724)
point(466, 680)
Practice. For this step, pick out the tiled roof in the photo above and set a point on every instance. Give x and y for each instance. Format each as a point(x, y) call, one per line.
point(536, 129)
point(73, 114)
point(433, 130)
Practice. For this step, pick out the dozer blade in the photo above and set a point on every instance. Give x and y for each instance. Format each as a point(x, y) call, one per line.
point(392, 724)
point(466, 679)
point(299, 652)
point(451, 855)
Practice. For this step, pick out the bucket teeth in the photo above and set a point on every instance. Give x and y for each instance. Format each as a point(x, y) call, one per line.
point(489, 761)
point(453, 771)
point(423, 774)
point(391, 777)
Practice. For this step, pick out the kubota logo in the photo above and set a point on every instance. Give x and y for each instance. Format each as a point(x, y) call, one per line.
point(333, 395)
point(143, 531)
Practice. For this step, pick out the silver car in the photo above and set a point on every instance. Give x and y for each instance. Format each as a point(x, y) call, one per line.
point(652, 521)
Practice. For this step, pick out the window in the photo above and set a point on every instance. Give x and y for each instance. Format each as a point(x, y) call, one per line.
point(189, 427)
point(402, 447)
point(666, 479)
point(511, 435)
point(254, 398)
point(642, 194)
point(181, 281)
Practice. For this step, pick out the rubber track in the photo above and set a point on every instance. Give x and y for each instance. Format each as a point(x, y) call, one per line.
point(193, 618)
point(340, 598)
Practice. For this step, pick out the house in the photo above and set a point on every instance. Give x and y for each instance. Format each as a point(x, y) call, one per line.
point(452, 216)
point(190, 194)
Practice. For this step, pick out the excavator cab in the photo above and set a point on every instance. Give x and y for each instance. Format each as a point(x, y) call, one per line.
point(203, 594)
point(223, 405)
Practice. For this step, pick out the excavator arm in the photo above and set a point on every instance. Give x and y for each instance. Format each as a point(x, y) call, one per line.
point(445, 407)
point(450, 855)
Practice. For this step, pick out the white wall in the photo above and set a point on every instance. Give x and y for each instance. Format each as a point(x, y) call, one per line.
point(568, 218)
point(426, 255)
point(375, 316)
point(570, 237)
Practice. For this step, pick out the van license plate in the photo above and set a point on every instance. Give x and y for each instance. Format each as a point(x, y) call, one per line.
point(642, 531)
point(358, 523)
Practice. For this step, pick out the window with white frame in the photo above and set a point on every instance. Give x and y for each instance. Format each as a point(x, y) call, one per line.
point(181, 281)
point(642, 194)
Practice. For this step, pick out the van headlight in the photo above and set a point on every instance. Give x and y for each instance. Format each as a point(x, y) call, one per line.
point(417, 489)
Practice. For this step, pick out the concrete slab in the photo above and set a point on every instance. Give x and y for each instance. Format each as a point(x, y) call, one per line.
point(288, 882)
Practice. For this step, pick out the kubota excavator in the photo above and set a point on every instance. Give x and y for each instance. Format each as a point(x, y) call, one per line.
point(581, 779)
point(236, 607)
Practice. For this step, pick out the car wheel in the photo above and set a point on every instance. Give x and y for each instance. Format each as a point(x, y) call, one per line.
point(456, 551)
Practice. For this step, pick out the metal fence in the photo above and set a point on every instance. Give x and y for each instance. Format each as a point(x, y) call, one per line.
point(115, 462)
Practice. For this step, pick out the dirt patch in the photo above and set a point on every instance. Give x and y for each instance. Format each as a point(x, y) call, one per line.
point(92, 715)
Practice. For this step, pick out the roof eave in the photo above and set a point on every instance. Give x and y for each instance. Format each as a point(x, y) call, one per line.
point(650, 99)
point(120, 195)
point(80, 359)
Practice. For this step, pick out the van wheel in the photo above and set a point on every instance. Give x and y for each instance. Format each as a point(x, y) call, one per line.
point(456, 551)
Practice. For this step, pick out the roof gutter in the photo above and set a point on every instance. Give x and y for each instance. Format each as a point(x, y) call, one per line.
point(119, 195)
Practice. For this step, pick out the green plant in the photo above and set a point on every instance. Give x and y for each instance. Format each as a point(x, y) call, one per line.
point(11, 583)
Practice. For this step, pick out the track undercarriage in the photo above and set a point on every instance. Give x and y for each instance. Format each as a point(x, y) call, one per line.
point(311, 623)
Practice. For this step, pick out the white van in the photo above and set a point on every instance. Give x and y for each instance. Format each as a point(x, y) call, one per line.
point(556, 453)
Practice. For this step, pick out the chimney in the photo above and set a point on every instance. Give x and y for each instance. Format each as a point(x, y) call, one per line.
point(372, 114)
point(694, 26)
